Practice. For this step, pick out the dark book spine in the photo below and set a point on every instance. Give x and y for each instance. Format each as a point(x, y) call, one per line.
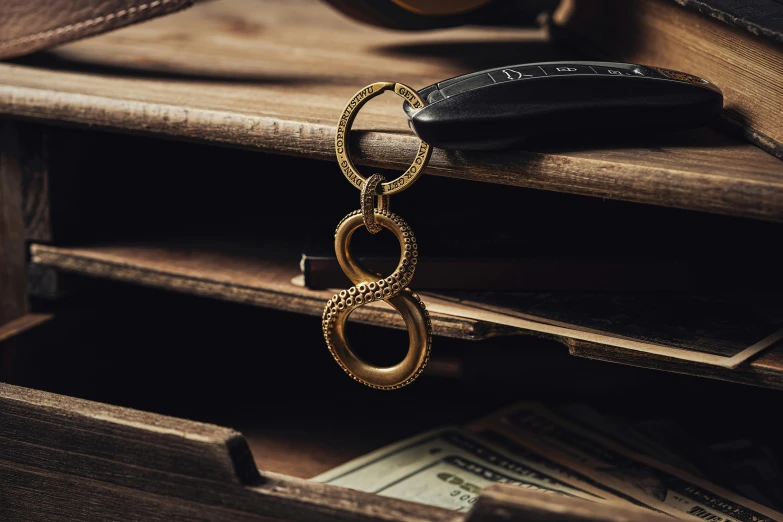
point(529, 274)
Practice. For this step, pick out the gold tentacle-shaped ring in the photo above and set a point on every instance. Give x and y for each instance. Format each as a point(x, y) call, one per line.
point(368, 288)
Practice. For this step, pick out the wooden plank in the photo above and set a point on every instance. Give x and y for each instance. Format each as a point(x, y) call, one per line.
point(222, 273)
point(13, 287)
point(63, 458)
point(22, 324)
point(28, 153)
point(51, 161)
point(257, 280)
point(121, 435)
point(325, 432)
point(275, 77)
point(34, 164)
point(766, 370)
point(14, 336)
point(500, 503)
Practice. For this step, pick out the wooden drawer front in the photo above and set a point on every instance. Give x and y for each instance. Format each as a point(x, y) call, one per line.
point(63, 458)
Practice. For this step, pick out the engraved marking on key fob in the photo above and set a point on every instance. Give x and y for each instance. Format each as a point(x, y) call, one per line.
point(497, 108)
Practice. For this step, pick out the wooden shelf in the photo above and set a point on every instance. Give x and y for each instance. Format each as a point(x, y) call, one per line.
point(101, 461)
point(328, 432)
point(223, 273)
point(274, 76)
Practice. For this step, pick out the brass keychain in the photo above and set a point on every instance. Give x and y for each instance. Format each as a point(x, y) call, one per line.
point(374, 214)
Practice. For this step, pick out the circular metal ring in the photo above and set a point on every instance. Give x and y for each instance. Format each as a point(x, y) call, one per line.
point(342, 141)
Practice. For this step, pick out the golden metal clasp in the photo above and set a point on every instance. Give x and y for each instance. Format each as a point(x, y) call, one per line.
point(368, 198)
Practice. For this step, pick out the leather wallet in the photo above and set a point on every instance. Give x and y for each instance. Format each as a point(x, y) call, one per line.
point(32, 25)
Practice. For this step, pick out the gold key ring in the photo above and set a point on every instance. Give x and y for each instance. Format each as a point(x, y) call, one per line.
point(342, 138)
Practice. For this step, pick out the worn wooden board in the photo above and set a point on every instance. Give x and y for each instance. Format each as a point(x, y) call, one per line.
point(22, 324)
point(499, 503)
point(13, 286)
point(274, 76)
point(63, 458)
point(261, 281)
point(52, 160)
point(223, 273)
point(331, 429)
point(765, 370)
point(747, 67)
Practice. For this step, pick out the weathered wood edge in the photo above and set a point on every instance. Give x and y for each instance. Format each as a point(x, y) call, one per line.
point(13, 255)
point(101, 18)
point(444, 325)
point(501, 503)
point(116, 462)
point(562, 173)
point(22, 324)
point(55, 465)
point(753, 372)
point(232, 456)
point(36, 494)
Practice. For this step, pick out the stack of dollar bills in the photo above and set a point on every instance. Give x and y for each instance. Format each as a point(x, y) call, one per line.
point(571, 450)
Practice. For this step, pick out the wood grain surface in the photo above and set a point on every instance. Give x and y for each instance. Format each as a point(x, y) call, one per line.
point(500, 503)
point(228, 275)
point(274, 76)
point(261, 281)
point(22, 324)
point(13, 160)
point(765, 370)
point(747, 67)
point(63, 458)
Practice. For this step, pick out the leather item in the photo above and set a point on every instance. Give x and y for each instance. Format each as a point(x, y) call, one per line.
point(32, 25)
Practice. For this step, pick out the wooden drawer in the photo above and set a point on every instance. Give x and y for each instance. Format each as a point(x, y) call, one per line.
point(70, 459)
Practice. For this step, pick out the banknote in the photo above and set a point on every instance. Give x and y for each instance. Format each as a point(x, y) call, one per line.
point(742, 464)
point(451, 482)
point(624, 434)
point(448, 468)
point(656, 484)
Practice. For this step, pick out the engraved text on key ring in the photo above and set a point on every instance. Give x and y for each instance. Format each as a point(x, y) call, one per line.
point(342, 138)
point(368, 288)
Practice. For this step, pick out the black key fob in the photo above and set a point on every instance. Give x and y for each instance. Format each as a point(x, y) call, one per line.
point(497, 108)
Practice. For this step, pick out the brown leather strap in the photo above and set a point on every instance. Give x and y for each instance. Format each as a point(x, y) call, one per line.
point(32, 25)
